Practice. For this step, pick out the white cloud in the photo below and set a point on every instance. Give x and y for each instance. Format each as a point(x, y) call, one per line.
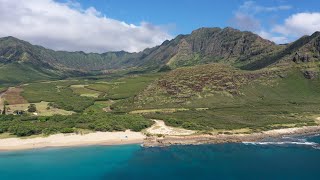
point(253, 8)
point(66, 26)
point(273, 37)
point(299, 24)
point(246, 18)
point(245, 22)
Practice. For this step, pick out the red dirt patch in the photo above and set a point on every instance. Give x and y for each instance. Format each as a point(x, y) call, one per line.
point(12, 96)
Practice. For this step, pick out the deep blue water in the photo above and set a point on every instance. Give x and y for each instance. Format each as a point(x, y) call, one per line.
point(292, 158)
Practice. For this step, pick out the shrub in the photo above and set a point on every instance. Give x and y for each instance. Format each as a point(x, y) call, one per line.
point(67, 130)
point(32, 108)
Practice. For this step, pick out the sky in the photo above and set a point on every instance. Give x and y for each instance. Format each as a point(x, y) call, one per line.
point(133, 25)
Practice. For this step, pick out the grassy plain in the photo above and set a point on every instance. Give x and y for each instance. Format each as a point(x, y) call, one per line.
point(42, 109)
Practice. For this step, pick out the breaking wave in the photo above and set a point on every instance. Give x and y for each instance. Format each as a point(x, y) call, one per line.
point(287, 141)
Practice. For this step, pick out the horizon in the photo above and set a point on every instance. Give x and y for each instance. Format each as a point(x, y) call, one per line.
point(108, 26)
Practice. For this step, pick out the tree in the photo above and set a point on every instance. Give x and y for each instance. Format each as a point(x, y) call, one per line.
point(5, 103)
point(32, 108)
point(4, 110)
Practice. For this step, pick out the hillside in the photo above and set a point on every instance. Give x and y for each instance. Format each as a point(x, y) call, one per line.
point(21, 61)
point(220, 96)
point(218, 84)
point(305, 49)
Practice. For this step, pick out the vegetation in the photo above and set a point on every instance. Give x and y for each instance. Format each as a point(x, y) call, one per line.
point(99, 106)
point(32, 108)
point(31, 125)
point(82, 90)
point(217, 97)
point(42, 109)
point(57, 92)
point(230, 118)
point(14, 73)
point(211, 93)
point(129, 86)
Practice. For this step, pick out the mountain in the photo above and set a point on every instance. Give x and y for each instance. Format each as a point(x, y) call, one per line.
point(21, 61)
point(305, 49)
point(207, 45)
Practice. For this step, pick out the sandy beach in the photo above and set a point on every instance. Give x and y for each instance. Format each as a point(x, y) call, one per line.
point(66, 140)
point(169, 136)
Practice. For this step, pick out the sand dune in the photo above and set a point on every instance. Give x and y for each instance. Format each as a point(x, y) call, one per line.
point(161, 128)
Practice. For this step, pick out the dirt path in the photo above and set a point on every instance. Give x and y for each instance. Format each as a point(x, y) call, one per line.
point(161, 128)
point(164, 110)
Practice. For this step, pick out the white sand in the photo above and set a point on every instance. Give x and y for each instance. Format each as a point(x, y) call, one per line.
point(161, 128)
point(64, 140)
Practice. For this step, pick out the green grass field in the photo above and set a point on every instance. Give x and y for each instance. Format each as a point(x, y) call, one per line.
point(82, 90)
point(58, 93)
point(129, 86)
point(100, 86)
point(99, 106)
point(77, 95)
point(42, 109)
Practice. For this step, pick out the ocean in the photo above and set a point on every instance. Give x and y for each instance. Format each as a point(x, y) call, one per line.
point(285, 158)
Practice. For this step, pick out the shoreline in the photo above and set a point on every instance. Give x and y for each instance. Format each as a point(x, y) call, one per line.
point(129, 137)
point(224, 138)
point(72, 140)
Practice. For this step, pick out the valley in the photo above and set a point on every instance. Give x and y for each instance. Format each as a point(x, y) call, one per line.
point(211, 82)
point(210, 99)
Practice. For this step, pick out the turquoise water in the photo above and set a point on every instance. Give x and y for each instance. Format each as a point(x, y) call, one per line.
point(287, 158)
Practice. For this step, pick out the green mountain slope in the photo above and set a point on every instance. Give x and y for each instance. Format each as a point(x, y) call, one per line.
point(218, 84)
point(204, 45)
point(241, 49)
point(305, 49)
point(22, 62)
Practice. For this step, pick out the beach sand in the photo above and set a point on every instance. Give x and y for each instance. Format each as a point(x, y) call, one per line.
point(161, 128)
point(66, 140)
point(169, 136)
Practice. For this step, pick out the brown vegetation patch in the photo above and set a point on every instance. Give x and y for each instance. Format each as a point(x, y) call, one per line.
point(215, 77)
point(13, 96)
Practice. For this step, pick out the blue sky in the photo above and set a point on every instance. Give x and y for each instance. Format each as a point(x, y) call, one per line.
point(183, 16)
point(132, 25)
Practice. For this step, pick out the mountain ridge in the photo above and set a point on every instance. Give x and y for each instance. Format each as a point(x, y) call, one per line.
point(241, 49)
